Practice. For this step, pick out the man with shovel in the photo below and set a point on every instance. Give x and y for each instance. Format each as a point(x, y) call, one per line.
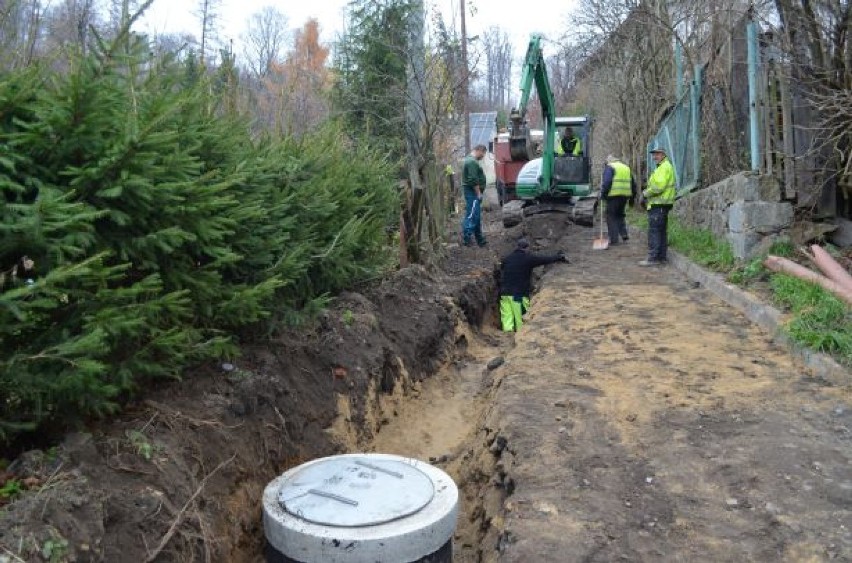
point(617, 188)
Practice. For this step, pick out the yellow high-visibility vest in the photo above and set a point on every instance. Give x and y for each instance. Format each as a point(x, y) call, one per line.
point(621, 180)
point(661, 185)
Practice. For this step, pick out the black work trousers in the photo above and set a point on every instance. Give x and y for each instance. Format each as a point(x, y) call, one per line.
point(658, 224)
point(616, 224)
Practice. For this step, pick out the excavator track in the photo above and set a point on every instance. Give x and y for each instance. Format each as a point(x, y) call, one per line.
point(581, 213)
point(584, 211)
point(513, 213)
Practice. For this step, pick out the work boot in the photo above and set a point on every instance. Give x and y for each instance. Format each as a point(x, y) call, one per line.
point(482, 243)
point(650, 263)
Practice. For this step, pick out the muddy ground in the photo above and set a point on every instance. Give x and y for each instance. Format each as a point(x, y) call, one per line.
point(638, 418)
point(635, 418)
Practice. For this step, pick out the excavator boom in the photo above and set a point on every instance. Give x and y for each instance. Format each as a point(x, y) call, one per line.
point(534, 73)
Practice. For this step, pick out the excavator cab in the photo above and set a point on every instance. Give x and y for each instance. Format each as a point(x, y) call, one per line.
point(572, 173)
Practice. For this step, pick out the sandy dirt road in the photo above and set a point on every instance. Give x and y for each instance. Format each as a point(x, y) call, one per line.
point(645, 420)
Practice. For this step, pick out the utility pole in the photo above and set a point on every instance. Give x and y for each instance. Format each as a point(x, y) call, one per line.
point(465, 70)
point(415, 79)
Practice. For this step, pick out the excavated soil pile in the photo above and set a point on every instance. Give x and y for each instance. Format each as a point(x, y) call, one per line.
point(179, 475)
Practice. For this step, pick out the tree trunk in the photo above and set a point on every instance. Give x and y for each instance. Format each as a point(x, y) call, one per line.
point(414, 126)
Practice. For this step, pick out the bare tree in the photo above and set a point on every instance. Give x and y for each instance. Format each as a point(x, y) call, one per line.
point(625, 72)
point(593, 22)
point(172, 43)
point(497, 55)
point(265, 39)
point(119, 11)
point(465, 78)
point(33, 19)
point(69, 25)
point(15, 31)
point(562, 70)
point(207, 13)
point(816, 39)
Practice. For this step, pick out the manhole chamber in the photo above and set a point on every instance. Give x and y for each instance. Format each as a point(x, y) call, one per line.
point(361, 508)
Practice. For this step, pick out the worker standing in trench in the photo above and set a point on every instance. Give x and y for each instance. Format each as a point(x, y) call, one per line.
point(515, 286)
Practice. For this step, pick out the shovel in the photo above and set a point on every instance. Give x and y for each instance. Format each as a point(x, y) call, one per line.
point(601, 243)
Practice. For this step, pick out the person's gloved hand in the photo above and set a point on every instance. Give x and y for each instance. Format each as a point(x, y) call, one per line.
point(562, 257)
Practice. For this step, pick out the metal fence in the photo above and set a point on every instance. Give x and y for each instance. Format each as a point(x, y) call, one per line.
point(680, 136)
point(744, 111)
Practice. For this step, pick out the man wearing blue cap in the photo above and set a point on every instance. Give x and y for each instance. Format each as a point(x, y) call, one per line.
point(515, 286)
point(659, 196)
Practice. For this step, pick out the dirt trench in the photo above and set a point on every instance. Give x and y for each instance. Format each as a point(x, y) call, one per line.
point(445, 419)
point(439, 420)
point(179, 475)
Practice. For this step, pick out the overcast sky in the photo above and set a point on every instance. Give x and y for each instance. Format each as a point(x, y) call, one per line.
point(518, 17)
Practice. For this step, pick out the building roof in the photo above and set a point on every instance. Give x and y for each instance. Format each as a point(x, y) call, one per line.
point(483, 128)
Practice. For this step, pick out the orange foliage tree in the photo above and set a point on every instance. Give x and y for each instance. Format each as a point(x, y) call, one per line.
point(294, 94)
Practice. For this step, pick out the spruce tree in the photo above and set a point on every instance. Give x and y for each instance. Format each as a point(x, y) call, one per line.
point(144, 230)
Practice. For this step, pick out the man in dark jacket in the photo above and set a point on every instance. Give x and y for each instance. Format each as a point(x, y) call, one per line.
point(617, 188)
point(515, 285)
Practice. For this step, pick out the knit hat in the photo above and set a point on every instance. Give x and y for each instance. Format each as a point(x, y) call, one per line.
point(523, 243)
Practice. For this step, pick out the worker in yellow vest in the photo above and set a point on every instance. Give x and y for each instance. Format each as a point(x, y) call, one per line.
point(571, 144)
point(659, 198)
point(617, 188)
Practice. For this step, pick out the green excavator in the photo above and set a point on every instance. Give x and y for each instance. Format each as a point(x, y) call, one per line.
point(554, 181)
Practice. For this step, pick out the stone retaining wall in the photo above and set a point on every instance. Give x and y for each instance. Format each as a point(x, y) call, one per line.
point(746, 209)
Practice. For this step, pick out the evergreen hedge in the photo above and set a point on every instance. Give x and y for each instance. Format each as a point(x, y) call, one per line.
point(157, 230)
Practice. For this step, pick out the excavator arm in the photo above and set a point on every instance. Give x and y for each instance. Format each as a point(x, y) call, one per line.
point(534, 73)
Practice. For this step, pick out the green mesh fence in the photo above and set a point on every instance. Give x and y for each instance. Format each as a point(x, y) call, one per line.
point(679, 135)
